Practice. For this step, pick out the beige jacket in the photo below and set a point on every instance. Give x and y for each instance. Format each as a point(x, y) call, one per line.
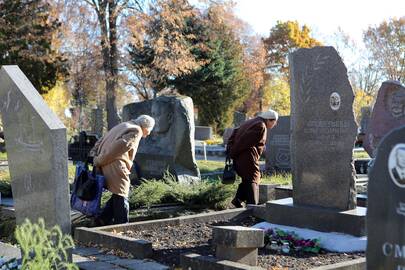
point(115, 153)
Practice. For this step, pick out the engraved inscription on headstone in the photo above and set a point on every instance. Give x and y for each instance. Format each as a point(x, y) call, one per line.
point(36, 150)
point(278, 146)
point(386, 204)
point(388, 113)
point(323, 129)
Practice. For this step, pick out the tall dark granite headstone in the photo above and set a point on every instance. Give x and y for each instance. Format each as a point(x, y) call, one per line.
point(36, 151)
point(388, 113)
point(322, 138)
point(386, 204)
point(239, 118)
point(365, 119)
point(97, 123)
point(170, 146)
point(278, 146)
point(323, 129)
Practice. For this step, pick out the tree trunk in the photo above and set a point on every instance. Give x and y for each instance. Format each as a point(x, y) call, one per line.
point(110, 60)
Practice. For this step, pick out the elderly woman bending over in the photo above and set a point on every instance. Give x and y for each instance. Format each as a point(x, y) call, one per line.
point(113, 155)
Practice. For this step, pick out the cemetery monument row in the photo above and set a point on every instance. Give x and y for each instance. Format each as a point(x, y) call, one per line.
point(386, 204)
point(170, 146)
point(388, 113)
point(36, 150)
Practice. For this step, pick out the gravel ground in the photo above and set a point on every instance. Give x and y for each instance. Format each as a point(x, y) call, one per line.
point(170, 241)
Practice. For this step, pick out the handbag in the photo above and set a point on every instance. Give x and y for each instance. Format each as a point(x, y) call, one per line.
point(87, 190)
point(229, 174)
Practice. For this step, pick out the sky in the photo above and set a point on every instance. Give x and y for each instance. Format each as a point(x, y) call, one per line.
point(322, 16)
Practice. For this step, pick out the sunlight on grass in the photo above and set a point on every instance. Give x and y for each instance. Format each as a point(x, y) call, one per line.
point(3, 156)
point(277, 178)
point(207, 166)
point(360, 154)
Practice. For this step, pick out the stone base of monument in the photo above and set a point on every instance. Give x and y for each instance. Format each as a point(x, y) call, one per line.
point(284, 212)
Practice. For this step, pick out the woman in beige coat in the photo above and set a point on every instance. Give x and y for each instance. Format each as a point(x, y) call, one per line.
point(114, 155)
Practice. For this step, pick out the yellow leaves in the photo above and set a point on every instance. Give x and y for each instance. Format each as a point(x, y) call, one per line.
point(277, 96)
point(58, 99)
point(361, 99)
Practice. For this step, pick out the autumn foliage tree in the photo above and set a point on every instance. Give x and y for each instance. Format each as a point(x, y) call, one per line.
point(163, 44)
point(284, 38)
point(386, 42)
point(26, 34)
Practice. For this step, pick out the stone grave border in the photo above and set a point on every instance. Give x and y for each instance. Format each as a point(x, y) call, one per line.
point(107, 237)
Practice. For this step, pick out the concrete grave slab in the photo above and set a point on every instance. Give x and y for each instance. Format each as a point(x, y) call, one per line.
point(37, 152)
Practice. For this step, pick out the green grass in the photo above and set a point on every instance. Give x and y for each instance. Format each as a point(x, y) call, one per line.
point(71, 172)
point(278, 178)
point(207, 166)
point(3, 156)
point(362, 154)
point(5, 185)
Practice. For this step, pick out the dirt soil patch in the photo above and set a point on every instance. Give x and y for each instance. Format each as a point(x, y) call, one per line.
point(169, 242)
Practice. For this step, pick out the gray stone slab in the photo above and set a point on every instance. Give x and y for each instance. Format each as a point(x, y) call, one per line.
point(140, 265)
point(199, 262)
point(36, 150)
point(105, 258)
point(203, 133)
point(267, 192)
point(240, 255)
point(237, 236)
point(138, 248)
point(278, 146)
point(95, 265)
point(387, 114)
point(86, 251)
point(79, 259)
point(9, 252)
point(323, 129)
point(357, 264)
point(386, 204)
point(284, 212)
point(170, 146)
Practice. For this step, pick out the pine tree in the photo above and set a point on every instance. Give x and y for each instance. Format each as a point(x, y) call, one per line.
point(26, 35)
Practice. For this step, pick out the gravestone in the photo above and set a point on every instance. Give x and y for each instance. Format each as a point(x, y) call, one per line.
point(388, 113)
point(97, 123)
point(238, 118)
point(170, 146)
point(323, 129)
point(278, 146)
point(203, 133)
point(386, 204)
point(36, 151)
point(323, 132)
point(365, 118)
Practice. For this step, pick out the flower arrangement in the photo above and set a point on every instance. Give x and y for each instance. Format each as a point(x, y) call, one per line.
point(284, 241)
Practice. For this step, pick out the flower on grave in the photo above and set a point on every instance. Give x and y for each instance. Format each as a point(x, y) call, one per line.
point(289, 241)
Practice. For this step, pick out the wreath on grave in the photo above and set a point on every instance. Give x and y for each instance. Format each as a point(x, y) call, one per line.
point(287, 241)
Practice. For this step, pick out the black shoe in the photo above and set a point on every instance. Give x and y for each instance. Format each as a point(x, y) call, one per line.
point(237, 203)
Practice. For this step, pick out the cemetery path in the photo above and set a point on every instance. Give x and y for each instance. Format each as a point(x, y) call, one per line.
point(93, 259)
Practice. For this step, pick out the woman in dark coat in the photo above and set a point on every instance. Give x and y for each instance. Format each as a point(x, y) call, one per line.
point(245, 146)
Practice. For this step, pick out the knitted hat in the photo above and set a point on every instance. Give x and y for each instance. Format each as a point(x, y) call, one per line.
point(270, 114)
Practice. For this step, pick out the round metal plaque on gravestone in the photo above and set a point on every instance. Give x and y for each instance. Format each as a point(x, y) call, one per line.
point(386, 204)
point(335, 101)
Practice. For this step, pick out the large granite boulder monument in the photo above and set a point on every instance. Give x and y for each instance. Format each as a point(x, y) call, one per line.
point(388, 113)
point(36, 150)
point(386, 204)
point(170, 146)
point(323, 132)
